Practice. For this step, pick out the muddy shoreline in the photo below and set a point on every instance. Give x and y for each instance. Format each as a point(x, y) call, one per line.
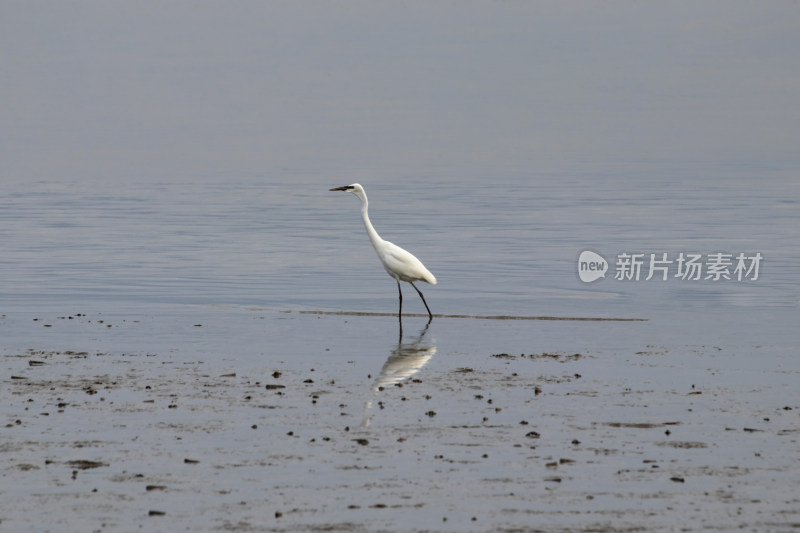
point(425, 440)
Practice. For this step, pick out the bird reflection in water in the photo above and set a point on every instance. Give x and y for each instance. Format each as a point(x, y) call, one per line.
point(403, 362)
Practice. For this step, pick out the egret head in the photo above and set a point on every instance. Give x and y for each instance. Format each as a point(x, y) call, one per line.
point(354, 188)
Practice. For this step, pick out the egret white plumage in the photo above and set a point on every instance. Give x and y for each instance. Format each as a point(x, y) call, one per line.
point(399, 263)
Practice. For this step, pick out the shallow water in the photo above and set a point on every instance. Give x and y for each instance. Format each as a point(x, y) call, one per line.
point(225, 356)
point(239, 418)
point(501, 245)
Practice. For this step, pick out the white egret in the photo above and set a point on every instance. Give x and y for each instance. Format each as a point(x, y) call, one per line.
point(399, 264)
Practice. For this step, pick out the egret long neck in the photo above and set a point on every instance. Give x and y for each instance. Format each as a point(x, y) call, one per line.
point(373, 235)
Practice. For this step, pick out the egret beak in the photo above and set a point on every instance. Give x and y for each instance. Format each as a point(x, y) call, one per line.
point(345, 188)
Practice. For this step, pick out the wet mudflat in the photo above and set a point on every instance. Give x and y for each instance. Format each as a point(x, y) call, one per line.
point(234, 419)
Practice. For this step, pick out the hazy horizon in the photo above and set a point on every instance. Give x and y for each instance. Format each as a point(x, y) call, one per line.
point(186, 90)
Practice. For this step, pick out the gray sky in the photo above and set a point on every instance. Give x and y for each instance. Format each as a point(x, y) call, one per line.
point(183, 90)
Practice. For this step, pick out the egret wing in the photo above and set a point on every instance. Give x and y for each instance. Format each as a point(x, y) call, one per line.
point(403, 265)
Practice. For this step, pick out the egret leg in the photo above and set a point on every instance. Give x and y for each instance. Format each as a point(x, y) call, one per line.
point(400, 314)
point(430, 315)
point(400, 292)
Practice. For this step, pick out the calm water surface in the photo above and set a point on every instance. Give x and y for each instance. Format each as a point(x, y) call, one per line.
point(506, 245)
point(191, 297)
